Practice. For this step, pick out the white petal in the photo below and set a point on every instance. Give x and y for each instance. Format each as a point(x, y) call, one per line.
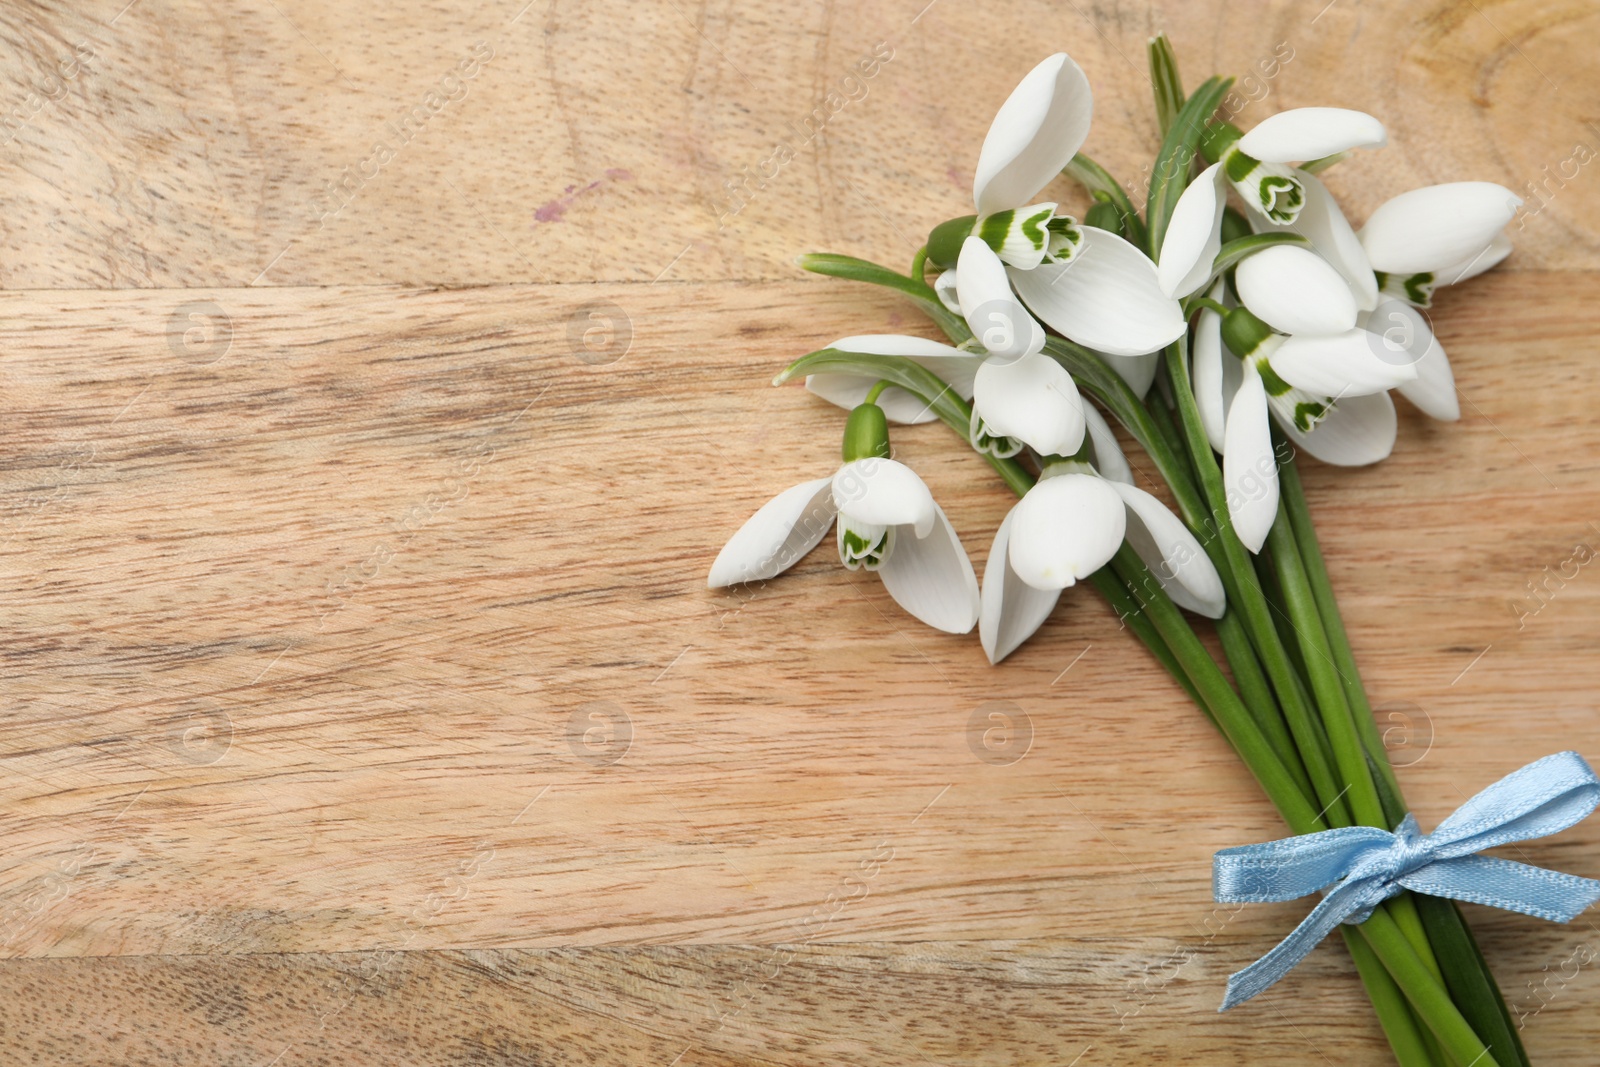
point(1359, 430)
point(944, 287)
point(1137, 371)
point(1437, 226)
point(1475, 264)
point(1066, 528)
point(1033, 400)
point(1306, 133)
point(1035, 133)
point(1194, 235)
point(776, 536)
point(884, 492)
point(1352, 363)
point(1323, 224)
point(1405, 330)
point(850, 390)
point(1106, 298)
point(1012, 610)
point(1294, 290)
point(994, 315)
point(952, 365)
point(1216, 377)
point(895, 344)
point(1172, 553)
point(1249, 468)
point(1108, 457)
point(930, 576)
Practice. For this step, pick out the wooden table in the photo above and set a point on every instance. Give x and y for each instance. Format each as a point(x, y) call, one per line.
point(379, 382)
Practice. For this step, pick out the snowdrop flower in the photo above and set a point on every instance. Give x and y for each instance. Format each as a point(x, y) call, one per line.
point(1438, 235)
point(1020, 397)
point(1114, 303)
point(1034, 135)
point(1327, 392)
point(886, 521)
point(1417, 241)
point(1068, 526)
point(1276, 196)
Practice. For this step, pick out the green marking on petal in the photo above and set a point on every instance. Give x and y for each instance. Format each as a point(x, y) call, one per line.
point(1033, 227)
point(1419, 289)
point(1239, 166)
point(994, 229)
point(1275, 385)
point(1281, 198)
point(988, 443)
point(1307, 414)
point(868, 548)
point(1065, 237)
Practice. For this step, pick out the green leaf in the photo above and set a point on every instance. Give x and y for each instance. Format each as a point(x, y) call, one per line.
point(861, 270)
point(1165, 81)
point(1231, 253)
point(1471, 984)
point(1176, 160)
point(1107, 190)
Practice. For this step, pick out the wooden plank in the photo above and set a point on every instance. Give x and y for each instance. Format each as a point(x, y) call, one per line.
point(1038, 1000)
point(192, 147)
point(396, 610)
point(351, 611)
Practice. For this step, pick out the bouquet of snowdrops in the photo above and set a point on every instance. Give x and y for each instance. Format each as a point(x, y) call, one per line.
point(1238, 321)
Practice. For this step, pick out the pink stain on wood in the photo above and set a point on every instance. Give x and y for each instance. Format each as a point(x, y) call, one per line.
point(554, 210)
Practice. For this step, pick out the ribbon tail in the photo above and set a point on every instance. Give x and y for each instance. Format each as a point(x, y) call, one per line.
point(1348, 899)
point(1506, 884)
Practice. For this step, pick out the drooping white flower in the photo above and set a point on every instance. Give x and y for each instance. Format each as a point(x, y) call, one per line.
point(1438, 229)
point(1306, 331)
point(1276, 195)
point(886, 521)
point(1422, 239)
point(1114, 305)
point(1034, 135)
point(1067, 527)
point(1020, 397)
point(1327, 393)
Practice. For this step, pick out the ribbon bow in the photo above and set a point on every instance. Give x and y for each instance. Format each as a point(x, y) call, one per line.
point(1365, 865)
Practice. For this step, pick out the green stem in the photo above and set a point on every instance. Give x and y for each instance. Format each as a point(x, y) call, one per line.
point(1348, 754)
point(1293, 495)
point(1127, 608)
point(1231, 715)
point(1400, 1025)
point(1426, 993)
point(1244, 593)
point(918, 264)
point(1257, 695)
point(1466, 972)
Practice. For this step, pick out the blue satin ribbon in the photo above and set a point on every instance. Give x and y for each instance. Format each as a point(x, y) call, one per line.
point(1364, 865)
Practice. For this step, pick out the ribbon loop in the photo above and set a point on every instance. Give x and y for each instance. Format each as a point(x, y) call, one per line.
point(1365, 865)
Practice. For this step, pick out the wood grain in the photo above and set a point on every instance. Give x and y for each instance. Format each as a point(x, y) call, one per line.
point(354, 566)
point(197, 144)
